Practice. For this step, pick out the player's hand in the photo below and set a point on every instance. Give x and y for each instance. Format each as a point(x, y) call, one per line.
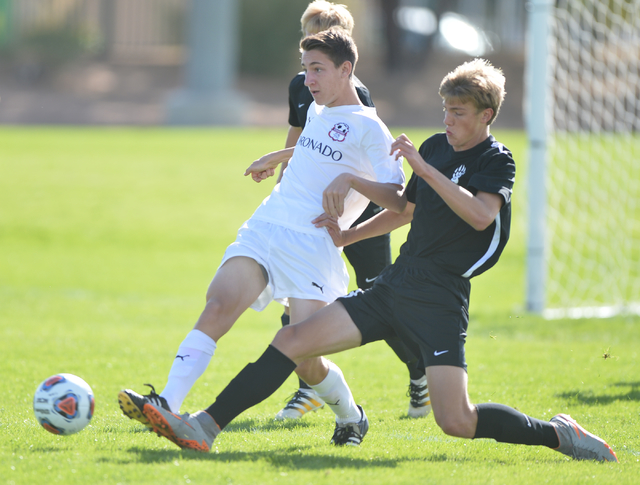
point(333, 228)
point(403, 147)
point(262, 168)
point(261, 175)
point(334, 195)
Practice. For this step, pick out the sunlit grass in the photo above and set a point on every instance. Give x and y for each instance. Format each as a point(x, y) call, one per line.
point(108, 240)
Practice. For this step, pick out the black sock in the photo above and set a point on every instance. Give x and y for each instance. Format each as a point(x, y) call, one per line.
point(415, 372)
point(506, 425)
point(254, 383)
point(303, 385)
point(285, 319)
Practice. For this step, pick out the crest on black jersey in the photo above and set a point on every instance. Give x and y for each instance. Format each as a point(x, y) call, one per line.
point(458, 173)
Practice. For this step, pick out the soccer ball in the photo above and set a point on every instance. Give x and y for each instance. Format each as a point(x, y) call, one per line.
point(63, 404)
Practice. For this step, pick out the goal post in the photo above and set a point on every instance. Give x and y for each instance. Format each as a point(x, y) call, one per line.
point(583, 124)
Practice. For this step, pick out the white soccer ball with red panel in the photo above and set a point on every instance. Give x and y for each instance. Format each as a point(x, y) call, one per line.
point(63, 404)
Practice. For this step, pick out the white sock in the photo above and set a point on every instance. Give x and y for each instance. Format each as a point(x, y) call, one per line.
point(192, 359)
point(335, 392)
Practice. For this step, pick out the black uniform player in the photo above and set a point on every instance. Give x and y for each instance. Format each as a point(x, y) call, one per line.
point(439, 257)
point(368, 257)
point(459, 206)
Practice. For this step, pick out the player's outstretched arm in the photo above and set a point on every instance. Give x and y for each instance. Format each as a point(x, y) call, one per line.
point(382, 223)
point(479, 210)
point(387, 195)
point(265, 166)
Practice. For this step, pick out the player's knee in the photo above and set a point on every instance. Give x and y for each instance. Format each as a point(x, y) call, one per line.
point(452, 424)
point(215, 320)
point(286, 341)
point(216, 310)
point(284, 337)
point(213, 305)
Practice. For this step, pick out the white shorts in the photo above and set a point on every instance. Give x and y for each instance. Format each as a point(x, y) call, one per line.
point(298, 265)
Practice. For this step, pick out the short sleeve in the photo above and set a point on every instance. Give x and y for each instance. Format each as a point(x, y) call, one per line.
point(294, 120)
point(497, 177)
point(363, 92)
point(411, 188)
point(293, 115)
point(377, 144)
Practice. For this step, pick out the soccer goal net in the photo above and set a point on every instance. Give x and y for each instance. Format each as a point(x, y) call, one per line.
point(586, 262)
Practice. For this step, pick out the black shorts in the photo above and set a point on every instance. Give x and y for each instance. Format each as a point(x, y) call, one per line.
point(427, 308)
point(369, 256)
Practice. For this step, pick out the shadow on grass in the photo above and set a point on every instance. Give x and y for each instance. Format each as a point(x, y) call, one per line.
point(589, 397)
point(47, 449)
point(254, 424)
point(291, 458)
point(245, 425)
point(296, 457)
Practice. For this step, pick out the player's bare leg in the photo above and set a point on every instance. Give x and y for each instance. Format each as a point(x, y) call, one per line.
point(305, 399)
point(455, 414)
point(450, 403)
point(236, 285)
point(325, 378)
point(313, 371)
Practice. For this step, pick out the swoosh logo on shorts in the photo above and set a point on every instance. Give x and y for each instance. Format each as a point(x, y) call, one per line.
point(370, 280)
point(437, 353)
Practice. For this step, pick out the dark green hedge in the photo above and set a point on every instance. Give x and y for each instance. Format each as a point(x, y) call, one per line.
point(270, 34)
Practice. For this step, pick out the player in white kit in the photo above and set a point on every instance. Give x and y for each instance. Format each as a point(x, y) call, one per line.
point(340, 162)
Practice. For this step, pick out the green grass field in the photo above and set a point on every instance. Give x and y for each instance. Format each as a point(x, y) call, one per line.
point(108, 240)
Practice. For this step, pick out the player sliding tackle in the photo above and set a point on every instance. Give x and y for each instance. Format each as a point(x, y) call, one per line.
point(340, 162)
point(459, 204)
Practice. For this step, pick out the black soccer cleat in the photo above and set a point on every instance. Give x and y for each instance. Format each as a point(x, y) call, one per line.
point(132, 404)
point(351, 434)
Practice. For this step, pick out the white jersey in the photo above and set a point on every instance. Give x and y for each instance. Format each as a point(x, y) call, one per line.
point(342, 139)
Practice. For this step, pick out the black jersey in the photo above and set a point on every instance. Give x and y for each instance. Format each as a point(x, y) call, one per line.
point(300, 98)
point(440, 235)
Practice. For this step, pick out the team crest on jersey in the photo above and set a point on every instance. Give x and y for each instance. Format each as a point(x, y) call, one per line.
point(339, 132)
point(458, 173)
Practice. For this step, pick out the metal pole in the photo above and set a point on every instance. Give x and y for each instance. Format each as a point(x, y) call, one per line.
point(208, 96)
point(537, 77)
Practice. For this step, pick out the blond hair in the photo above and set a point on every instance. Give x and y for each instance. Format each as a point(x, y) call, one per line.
point(478, 82)
point(321, 15)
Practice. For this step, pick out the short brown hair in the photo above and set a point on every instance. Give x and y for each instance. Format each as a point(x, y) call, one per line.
point(336, 43)
point(321, 15)
point(478, 82)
